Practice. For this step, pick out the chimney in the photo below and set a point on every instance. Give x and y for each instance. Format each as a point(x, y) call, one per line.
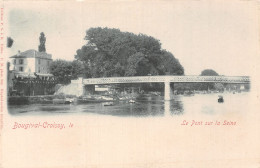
point(19, 53)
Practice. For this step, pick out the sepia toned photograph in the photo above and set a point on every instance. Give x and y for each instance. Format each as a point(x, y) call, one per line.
point(121, 71)
point(130, 84)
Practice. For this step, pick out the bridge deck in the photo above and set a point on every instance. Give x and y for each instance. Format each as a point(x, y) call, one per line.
point(174, 79)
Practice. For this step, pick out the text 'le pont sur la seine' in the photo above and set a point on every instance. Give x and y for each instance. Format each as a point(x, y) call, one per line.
point(208, 123)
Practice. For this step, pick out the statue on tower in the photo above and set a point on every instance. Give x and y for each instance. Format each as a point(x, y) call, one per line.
point(41, 47)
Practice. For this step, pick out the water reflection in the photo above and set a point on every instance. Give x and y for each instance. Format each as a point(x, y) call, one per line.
point(175, 107)
point(137, 109)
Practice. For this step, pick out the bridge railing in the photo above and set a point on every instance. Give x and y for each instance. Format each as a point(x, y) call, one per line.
point(155, 79)
point(215, 79)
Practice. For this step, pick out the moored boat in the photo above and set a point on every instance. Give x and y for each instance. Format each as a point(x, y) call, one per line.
point(108, 104)
point(69, 100)
point(132, 101)
point(220, 99)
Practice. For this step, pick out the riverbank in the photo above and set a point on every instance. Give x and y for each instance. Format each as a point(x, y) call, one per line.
point(41, 99)
point(62, 99)
point(21, 100)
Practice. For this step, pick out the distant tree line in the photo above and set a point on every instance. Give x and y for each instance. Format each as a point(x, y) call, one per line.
point(200, 86)
point(181, 87)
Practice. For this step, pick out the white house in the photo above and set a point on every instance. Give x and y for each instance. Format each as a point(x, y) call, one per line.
point(31, 62)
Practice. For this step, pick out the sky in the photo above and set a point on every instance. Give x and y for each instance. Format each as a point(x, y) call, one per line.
point(217, 35)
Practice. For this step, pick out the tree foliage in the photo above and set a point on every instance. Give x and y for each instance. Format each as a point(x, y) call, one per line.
point(10, 42)
point(64, 71)
point(209, 72)
point(110, 52)
point(208, 86)
point(219, 86)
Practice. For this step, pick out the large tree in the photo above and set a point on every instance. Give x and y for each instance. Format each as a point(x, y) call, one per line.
point(10, 42)
point(110, 52)
point(65, 71)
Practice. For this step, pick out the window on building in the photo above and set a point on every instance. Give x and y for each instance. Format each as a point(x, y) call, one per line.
point(14, 61)
point(39, 61)
point(21, 69)
point(39, 69)
point(20, 61)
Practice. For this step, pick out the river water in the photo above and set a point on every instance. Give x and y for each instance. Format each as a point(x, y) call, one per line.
point(205, 104)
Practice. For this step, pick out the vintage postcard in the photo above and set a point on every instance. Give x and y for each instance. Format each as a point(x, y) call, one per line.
point(129, 84)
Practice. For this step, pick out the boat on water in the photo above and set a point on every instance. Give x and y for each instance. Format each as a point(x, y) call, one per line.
point(63, 101)
point(156, 93)
point(69, 100)
point(108, 104)
point(107, 98)
point(132, 101)
point(188, 93)
point(96, 99)
point(220, 99)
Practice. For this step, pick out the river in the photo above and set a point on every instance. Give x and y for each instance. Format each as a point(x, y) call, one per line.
point(205, 104)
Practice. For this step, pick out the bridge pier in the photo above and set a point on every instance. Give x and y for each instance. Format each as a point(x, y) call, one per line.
point(78, 88)
point(168, 91)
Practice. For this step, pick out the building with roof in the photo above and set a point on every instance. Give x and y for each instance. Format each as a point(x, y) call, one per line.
point(31, 63)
